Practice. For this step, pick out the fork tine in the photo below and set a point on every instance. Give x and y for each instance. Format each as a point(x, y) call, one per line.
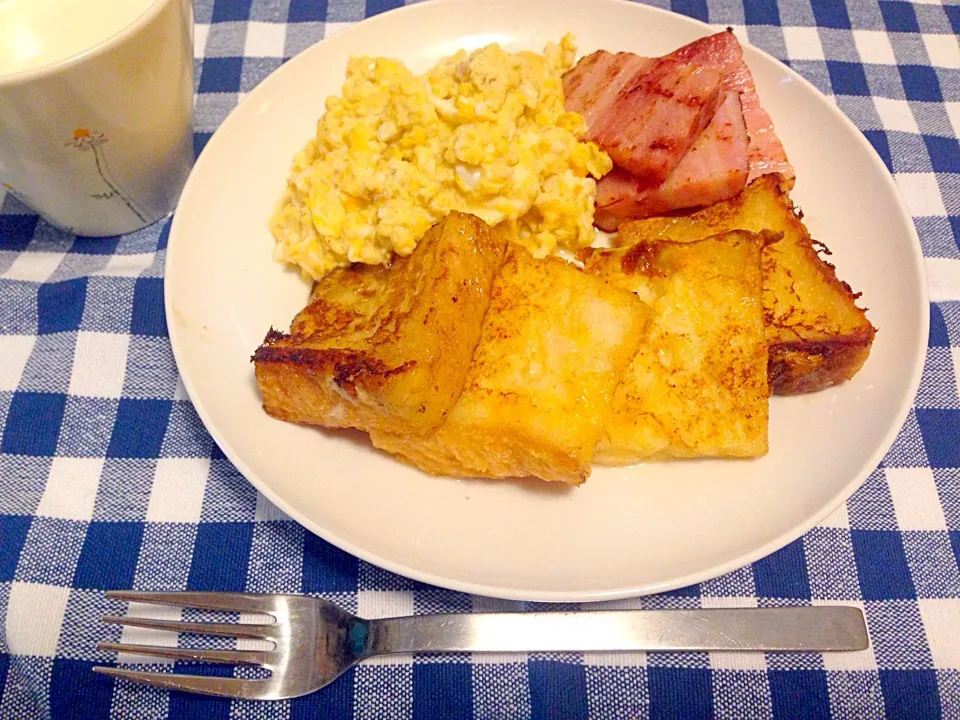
point(226, 687)
point(234, 657)
point(228, 629)
point(238, 602)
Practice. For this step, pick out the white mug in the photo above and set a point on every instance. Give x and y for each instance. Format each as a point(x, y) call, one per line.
point(96, 101)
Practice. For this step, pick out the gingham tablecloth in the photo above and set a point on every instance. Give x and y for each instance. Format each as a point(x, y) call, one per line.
point(109, 480)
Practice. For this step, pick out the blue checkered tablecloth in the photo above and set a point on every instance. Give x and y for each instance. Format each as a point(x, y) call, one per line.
point(109, 480)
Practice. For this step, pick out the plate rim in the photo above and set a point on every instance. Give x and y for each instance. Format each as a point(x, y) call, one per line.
point(553, 596)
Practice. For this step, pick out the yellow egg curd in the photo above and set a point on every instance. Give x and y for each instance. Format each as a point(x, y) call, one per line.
point(482, 132)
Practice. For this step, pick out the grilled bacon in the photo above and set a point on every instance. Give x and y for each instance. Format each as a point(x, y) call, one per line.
point(647, 122)
point(722, 52)
point(714, 169)
point(684, 130)
point(591, 87)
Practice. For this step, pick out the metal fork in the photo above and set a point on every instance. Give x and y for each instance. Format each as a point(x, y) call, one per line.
point(315, 641)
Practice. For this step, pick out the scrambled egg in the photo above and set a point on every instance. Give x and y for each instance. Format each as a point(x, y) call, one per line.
point(484, 133)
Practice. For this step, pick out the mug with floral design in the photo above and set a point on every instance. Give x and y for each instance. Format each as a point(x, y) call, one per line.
point(96, 101)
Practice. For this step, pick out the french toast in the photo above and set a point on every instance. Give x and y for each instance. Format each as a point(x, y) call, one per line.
point(554, 345)
point(698, 384)
point(386, 347)
point(817, 336)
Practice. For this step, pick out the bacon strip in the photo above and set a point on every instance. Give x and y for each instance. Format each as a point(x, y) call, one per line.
point(645, 113)
point(722, 52)
point(591, 87)
point(648, 113)
point(714, 169)
point(656, 118)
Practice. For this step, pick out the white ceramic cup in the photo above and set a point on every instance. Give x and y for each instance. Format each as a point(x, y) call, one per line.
point(98, 142)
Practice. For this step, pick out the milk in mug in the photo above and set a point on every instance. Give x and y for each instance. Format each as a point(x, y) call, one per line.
point(96, 100)
point(35, 33)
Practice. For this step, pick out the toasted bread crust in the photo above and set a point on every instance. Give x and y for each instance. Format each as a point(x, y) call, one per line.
point(554, 346)
point(817, 335)
point(807, 366)
point(346, 368)
point(698, 385)
point(386, 346)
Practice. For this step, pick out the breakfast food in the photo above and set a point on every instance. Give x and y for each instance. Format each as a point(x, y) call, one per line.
point(697, 387)
point(554, 346)
point(386, 347)
point(817, 336)
point(706, 132)
point(429, 209)
point(484, 133)
point(722, 52)
point(713, 169)
point(654, 118)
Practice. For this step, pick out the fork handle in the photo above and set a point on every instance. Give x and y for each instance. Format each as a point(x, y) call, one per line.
point(766, 629)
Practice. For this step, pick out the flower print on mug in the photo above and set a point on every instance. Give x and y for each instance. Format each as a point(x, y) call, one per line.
point(87, 140)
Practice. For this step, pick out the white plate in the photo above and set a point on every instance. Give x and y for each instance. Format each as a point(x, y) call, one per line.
point(626, 531)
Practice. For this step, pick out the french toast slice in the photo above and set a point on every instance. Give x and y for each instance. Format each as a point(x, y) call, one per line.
point(386, 347)
point(555, 344)
point(698, 385)
point(817, 335)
